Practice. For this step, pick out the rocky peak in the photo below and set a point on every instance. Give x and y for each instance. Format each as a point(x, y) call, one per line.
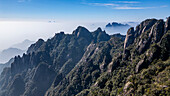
point(82, 32)
point(129, 37)
point(35, 46)
point(115, 24)
point(145, 25)
point(157, 31)
point(100, 35)
point(99, 29)
point(109, 25)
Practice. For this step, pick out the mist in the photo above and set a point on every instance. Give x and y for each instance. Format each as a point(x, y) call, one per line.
point(13, 32)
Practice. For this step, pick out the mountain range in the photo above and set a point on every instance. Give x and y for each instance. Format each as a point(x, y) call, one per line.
point(116, 27)
point(14, 50)
point(23, 45)
point(94, 64)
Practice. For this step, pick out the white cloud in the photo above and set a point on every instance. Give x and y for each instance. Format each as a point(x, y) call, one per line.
point(127, 7)
point(163, 6)
point(21, 1)
point(127, 2)
point(103, 4)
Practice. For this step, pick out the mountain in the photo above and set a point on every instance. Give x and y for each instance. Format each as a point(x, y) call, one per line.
point(115, 24)
point(23, 45)
point(94, 64)
point(17, 49)
point(8, 64)
point(115, 27)
point(9, 53)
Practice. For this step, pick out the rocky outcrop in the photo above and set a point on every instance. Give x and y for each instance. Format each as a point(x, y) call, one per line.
point(149, 32)
point(140, 65)
point(144, 26)
point(36, 46)
point(157, 31)
point(82, 32)
point(129, 37)
point(100, 35)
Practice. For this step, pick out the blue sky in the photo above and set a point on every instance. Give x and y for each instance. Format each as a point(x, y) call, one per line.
point(84, 10)
point(24, 19)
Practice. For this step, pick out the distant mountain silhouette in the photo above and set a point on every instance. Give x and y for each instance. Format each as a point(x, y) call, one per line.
point(115, 27)
point(17, 49)
point(8, 64)
point(9, 53)
point(115, 24)
point(23, 45)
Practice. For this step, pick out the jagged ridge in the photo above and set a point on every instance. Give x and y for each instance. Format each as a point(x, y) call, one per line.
point(85, 63)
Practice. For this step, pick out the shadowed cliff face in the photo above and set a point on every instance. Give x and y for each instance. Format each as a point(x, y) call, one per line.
point(93, 63)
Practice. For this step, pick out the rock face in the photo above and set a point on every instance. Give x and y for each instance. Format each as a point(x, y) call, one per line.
point(35, 46)
point(82, 32)
point(157, 31)
point(100, 35)
point(129, 37)
point(140, 65)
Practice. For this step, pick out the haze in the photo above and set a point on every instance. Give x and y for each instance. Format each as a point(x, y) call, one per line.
point(12, 32)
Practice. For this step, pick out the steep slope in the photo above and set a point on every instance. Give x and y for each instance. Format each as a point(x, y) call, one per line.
point(93, 63)
point(143, 68)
